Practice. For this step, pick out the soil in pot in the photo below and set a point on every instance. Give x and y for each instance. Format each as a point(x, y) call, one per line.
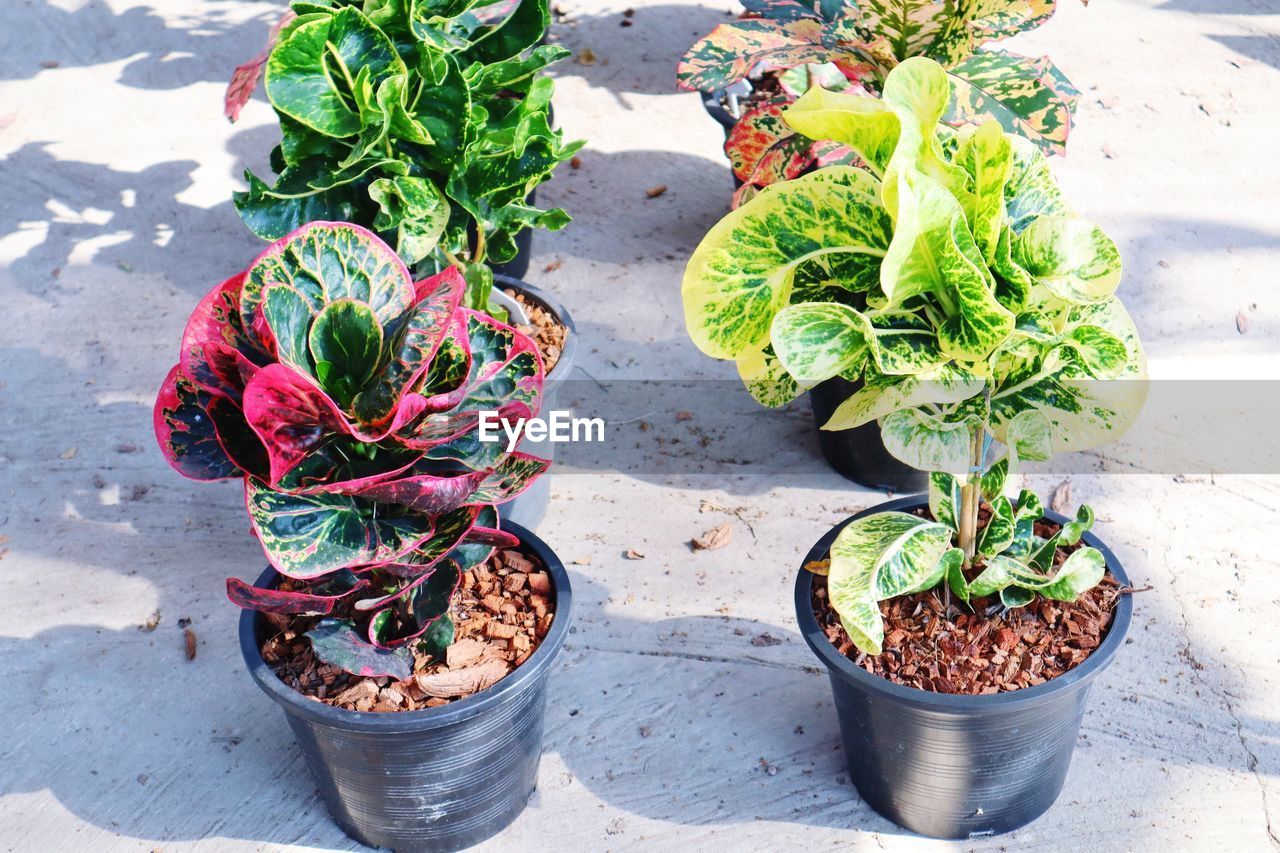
point(979, 648)
point(501, 612)
point(548, 333)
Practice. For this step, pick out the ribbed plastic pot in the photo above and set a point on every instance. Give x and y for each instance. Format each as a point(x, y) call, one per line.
point(529, 508)
point(952, 766)
point(432, 780)
point(859, 453)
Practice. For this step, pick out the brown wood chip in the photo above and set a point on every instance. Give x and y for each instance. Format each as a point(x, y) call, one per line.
point(716, 537)
point(500, 631)
point(462, 682)
point(189, 638)
point(463, 652)
point(540, 582)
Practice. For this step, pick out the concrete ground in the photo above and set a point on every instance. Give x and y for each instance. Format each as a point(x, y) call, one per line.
point(667, 728)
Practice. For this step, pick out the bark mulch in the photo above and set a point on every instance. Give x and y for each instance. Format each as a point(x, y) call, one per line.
point(501, 612)
point(980, 648)
point(546, 332)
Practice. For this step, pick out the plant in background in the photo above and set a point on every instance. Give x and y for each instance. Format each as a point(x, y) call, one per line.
point(852, 45)
point(951, 277)
point(427, 122)
point(348, 397)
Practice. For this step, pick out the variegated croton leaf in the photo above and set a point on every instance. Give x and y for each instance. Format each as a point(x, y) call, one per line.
point(763, 149)
point(948, 274)
point(427, 122)
point(348, 397)
point(841, 43)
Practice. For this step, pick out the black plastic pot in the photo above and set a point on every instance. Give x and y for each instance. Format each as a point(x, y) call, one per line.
point(859, 453)
point(529, 507)
point(957, 766)
point(437, 779)
point(714, 104)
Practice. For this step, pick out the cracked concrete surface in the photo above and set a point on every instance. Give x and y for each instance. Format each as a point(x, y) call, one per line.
point(667, 729)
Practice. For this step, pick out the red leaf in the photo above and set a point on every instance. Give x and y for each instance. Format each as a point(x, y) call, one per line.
point(245, 78)
point(278, 601)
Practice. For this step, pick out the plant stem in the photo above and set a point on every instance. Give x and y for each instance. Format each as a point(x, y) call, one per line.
point(971, 496)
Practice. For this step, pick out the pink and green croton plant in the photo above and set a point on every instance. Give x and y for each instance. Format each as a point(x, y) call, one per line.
point(348, 398)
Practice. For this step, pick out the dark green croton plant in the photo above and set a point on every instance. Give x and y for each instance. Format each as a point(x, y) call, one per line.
point(852, 45)
point(949, 276)
point(347, 397)
point(425, 121)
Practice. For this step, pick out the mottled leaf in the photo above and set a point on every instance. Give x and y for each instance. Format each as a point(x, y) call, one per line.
point(335, 642)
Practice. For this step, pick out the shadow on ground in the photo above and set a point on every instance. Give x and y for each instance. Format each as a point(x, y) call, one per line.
point(162, 54)
point(66, 210)
point(644, 61)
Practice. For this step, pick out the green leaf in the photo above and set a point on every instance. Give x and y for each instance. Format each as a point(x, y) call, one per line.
point(1016, 596)
point(883, 395)
point(1001, 572)
point(1029, 436)
point(905, 344)
point(346, 345)
point(513, 34)
point(766, 380)
point(944, 497)
point(1103, 354)
point(1027, 512)
point(934, 252)
point(998, 533)
point(515, 73)
point(273, 212)
point(1073, 258)
point(882, 556)
point(953, 571)
point(414, 211)
point(1083, 412)
point(1031, 190)
point(289, 315)
point(816, 341)
point(993, 480)
point(868, 126)
point(311, 74)
point(741, 274)
point(1073, 530)
point(1083, 569)
point(927, 442)
point(987, 156)
point(437, 639)
point(307, 536)
point(335, 642)
point(325, 262)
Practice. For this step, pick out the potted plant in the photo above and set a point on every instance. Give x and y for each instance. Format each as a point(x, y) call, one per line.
point(400, 623)
point(961, 630)
point(751, 68)
point(430, 127)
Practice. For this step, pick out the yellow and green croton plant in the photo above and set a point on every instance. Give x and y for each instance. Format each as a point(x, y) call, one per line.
point(950, 276)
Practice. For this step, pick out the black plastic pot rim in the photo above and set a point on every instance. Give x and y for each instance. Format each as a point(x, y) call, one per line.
point(393, 722)
point(561, 371)
point(1122, 615)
